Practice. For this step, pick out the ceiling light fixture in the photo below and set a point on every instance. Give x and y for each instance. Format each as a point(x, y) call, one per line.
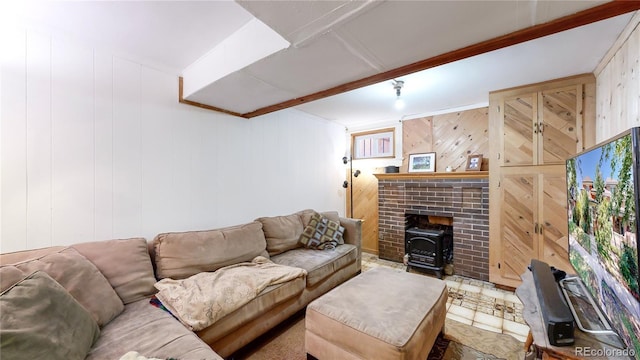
point(397, 86)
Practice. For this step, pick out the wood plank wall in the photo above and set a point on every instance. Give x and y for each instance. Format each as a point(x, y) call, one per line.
point(417, 137)
point(365, 207)
point(453, 137)
point(618, 85)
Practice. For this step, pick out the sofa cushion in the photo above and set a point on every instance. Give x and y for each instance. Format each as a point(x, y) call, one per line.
point(180, 255)
point(331, 215)
point(281, 232)
point(322, 233)
point(31, 254)
point(81, 278)
point(319, 264)
point(152, 332)
point(41, 320)
point(305, 216)
point(125, 263)
point(265, 301)
point(9, 275)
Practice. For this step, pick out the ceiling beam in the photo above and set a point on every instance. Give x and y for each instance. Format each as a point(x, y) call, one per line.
point(585, 17)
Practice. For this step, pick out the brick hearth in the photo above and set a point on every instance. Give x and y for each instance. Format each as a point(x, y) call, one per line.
point(466, 200)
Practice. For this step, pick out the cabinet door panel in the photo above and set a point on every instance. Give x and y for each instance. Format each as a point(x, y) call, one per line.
point(519, 113)
point(518, 219)
point(559, 129)
point(554, 220)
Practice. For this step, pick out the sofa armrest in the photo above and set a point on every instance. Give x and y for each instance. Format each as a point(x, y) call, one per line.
point(352, 231)
point(353, 235)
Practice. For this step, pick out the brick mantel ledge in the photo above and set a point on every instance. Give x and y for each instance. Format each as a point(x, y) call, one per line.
point(434, 175)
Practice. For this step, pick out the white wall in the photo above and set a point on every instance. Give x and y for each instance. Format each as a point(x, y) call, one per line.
point(94, 146)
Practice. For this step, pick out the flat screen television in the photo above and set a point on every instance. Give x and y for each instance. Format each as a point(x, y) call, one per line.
point(602, 200)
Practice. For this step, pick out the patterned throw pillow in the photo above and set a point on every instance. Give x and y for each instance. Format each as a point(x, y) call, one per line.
point(322, 233)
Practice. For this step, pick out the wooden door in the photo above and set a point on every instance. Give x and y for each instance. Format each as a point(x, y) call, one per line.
point(518, 239)
point(518, 124)
point(561, 126)
point(553, 217)
point(365, 207)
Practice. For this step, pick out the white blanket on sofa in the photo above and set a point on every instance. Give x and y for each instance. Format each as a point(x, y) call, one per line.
point(134, 355)
point(204, 298)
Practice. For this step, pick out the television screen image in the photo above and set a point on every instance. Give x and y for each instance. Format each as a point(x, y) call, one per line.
point(602, 203)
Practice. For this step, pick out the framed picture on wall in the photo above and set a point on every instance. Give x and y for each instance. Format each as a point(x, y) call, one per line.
point(422, 162)
point(474, 162)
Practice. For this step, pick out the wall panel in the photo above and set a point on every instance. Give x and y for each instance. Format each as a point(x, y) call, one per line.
point(156, 147)
point(103, 145)
point(38, 135)
point(262, 143)
point(72, 141)
point(417, 137)
point(458, 135)
point(208, 173)
point(633, 76)
point(618, 85)
point(13, 143)
point(127, 147)
point(237, 180)
point(122, 158)
point(452, 136)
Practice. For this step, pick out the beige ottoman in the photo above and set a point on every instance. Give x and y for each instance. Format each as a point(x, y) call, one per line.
point(380, 314)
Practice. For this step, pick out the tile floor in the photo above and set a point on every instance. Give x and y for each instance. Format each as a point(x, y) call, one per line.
point(473, 302)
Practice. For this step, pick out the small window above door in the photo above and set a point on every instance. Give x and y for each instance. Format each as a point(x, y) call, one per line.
point(373, 144)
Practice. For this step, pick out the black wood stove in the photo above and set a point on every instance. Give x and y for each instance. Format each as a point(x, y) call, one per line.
point(425, 249)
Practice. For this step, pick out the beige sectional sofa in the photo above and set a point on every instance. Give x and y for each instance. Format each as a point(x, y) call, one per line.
point(114, 280)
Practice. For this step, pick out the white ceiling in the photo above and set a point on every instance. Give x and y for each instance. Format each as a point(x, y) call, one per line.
point(466, 83)
point(169, 35)
point(334, 43)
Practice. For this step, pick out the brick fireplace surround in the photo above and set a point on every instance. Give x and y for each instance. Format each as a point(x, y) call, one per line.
point(463, 197)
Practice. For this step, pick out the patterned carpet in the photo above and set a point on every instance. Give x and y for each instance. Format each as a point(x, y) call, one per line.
point(439, 349)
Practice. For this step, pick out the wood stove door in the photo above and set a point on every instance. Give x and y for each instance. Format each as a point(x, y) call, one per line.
point(424, 251)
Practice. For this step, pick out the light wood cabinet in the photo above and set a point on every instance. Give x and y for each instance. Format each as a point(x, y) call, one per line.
point(540, 127)
point(519, 116)
point(534, 220)
point(533, 130)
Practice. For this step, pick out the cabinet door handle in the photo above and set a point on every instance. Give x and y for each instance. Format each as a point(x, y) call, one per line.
point(541, 128)
point(535, 228)
point(535, 128)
